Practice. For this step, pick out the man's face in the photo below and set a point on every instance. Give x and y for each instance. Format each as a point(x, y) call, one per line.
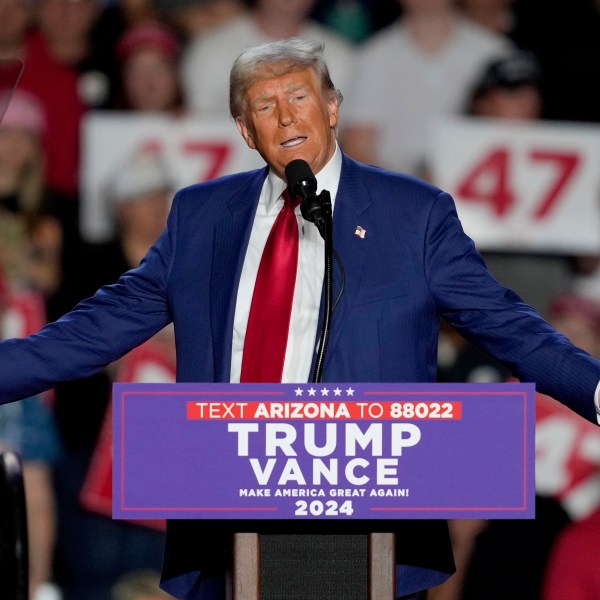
point(15, 16)
point(67, 19)
point(522, 102)
point(288, 117)
point(150, 80)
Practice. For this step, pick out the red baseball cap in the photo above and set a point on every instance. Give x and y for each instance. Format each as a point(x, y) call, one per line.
point(152, 35)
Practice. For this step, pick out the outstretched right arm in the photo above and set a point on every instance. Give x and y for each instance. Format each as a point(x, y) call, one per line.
point(96, 332)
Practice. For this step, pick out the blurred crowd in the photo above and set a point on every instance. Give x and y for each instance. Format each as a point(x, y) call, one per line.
point(400, 64)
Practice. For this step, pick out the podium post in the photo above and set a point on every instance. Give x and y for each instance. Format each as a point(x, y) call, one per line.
point(382, 566)
point(246, 566)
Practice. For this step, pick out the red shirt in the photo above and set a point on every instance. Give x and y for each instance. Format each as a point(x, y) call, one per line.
point(572, 572)
point(56, 85)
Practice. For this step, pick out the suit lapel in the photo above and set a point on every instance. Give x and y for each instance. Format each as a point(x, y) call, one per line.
point(232, 233)
point(352, 205)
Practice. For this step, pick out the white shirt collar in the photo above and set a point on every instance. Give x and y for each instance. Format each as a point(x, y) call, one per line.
point(328, 178)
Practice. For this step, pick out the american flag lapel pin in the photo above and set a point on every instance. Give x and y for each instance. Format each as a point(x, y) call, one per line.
point(360, 232)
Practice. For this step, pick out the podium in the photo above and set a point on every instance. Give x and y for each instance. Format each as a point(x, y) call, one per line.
point(360, 566)
point(323, 483)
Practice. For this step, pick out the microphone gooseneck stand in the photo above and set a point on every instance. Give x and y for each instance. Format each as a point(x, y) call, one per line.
point(317, 209)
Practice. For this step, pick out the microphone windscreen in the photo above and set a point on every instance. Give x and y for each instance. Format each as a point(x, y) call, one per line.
point(299, 173)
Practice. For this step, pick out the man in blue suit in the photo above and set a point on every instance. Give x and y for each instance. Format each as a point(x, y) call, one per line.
point(407, 261)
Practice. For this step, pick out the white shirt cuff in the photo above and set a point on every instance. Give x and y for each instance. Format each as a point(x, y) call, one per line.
point(597, 402)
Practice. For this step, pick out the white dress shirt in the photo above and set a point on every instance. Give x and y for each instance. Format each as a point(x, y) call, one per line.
point(302, 335)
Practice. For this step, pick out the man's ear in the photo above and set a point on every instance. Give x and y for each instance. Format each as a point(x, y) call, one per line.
point(333, 107)
point(245, 131)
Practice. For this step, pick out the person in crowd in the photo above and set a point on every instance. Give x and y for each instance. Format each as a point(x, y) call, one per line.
point(39, 241)
point(30, 227)
point(68, 49)
point(413, 265)
point(68, 37)
point(140, 192)
point(53, 52)
point(426, 63)
point(570, 573)
point(149, 57)
point(206, 59)
point(102, 67)
point(510, 88)
point(55, 88)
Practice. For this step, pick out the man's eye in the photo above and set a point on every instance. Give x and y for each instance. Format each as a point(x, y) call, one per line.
point(264, 108)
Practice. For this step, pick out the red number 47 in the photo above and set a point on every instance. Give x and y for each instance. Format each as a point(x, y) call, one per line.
point(489, 180)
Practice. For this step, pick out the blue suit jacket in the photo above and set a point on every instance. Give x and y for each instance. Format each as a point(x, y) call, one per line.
point(413, 266)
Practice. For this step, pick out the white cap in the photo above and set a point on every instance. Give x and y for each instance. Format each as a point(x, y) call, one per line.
point(144, 173)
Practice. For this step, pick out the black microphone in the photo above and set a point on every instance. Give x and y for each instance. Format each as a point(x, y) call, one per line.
point(302, 183)
point(301, 180)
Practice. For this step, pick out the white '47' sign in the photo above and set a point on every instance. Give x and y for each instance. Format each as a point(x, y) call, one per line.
point(531, 187)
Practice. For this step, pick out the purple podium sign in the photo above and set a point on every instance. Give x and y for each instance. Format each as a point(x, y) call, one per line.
point(323, 451)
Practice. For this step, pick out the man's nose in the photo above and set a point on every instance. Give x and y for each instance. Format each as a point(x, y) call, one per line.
point(287, 116)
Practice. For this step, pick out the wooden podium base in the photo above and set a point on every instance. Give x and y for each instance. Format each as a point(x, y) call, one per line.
point(314, 567)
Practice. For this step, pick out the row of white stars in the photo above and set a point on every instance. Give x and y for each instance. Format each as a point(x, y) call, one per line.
point(324, 391)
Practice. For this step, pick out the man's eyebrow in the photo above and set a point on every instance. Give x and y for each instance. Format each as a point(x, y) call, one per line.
point(294, 87)
point(261, 100)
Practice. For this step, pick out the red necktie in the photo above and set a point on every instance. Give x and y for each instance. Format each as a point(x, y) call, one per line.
point(271, 308)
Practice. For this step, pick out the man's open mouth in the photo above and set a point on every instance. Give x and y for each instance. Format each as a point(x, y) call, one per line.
point(293, 142)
